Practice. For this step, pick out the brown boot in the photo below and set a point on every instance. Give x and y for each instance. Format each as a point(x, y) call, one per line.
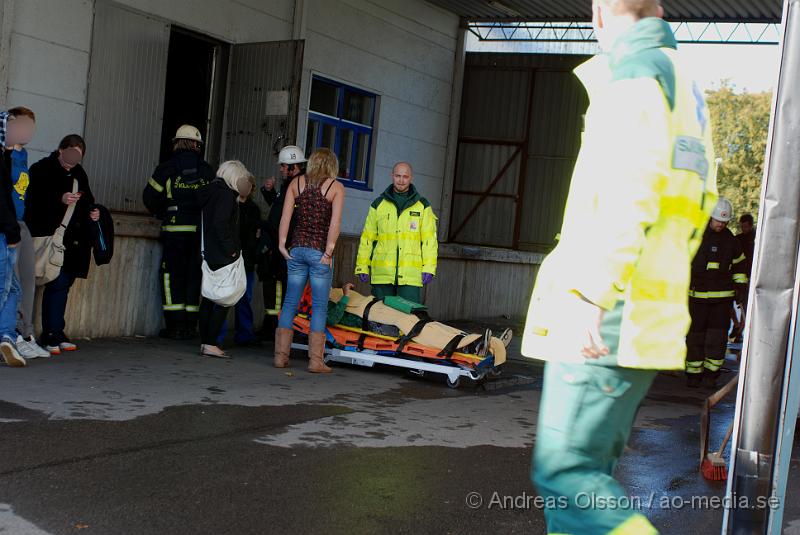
point(283, 346)
point(316, 353)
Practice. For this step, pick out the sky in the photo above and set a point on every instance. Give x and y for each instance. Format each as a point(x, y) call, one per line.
point(752, 68)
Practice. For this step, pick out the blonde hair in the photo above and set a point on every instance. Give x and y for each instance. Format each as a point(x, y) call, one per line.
point(638, 8)
point(322, 165)
point(231, 172)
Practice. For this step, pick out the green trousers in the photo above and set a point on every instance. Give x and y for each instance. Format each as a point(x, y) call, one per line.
point(412, 293)
point(585, 418)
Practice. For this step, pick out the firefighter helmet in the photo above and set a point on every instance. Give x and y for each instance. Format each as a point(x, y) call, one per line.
point(723, 211)
point(189, 132)
point(291, 154)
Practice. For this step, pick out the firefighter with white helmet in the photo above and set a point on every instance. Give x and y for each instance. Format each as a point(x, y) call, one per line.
point(719, 275)
point(272, 265)
point(171, 196)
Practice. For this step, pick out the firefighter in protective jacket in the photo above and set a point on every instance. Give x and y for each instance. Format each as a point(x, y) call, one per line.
point(719, 275)
point(171, 196)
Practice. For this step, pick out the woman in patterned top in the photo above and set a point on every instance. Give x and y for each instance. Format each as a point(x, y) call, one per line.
point(315, 200)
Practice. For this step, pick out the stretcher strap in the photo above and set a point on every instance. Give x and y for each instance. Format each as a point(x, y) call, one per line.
point(413, 333)
point(365, 323)
point(451, 346)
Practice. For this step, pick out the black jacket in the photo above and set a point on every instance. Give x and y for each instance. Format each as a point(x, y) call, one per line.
point(102, 236)
point(220, 210)
point(172, 193)
point(8, 214)
point(748, 245)
point(44, 210)
point(719, 265)
point(274, 199)
point(249, 224)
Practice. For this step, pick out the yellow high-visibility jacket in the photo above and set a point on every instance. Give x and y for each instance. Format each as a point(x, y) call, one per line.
point(398, 246)
point(641, 195)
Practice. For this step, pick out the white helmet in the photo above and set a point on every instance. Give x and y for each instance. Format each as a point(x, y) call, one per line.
point(188, 131)
point(291, 154)
point(723, 211)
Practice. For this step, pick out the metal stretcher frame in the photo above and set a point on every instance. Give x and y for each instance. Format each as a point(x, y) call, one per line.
point(368, 358)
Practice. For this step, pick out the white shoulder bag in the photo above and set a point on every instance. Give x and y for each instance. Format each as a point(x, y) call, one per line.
point(226, 285)
point(49, 250)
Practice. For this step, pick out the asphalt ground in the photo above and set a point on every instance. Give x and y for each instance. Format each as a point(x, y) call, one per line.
point(142, 436)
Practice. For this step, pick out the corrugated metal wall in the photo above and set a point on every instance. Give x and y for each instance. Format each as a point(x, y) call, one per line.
point(495, 122)
point(262, 74)
point(127, 77)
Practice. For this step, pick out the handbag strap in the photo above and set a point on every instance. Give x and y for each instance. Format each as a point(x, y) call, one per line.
point(71, 207)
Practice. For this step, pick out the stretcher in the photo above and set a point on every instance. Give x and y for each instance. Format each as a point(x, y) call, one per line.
point(354, 346)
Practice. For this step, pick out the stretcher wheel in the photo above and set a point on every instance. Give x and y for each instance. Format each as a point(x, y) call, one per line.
point(453, 383)
point(497, 371)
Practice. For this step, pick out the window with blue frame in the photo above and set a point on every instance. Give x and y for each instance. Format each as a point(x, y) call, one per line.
point(341, 118)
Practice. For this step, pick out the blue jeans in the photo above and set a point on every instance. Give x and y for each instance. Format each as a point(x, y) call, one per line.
point(304, 265)
point(244, 316)
point(9, 290)
point(54, 306)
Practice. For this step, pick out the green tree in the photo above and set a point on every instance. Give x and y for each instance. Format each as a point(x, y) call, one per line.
point(740, 124)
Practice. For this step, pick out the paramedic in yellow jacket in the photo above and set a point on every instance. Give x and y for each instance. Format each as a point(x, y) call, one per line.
point(398, 248)
point(609, 307)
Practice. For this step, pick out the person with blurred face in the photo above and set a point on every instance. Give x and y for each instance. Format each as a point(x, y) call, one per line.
point(20, 127)
point(398, 250)
point(249, 232)
point(16, 130)
point(608, 309)
point(222, 245)
point(57, 182)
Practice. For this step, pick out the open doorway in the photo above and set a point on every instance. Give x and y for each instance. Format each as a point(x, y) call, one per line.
point(195, 90)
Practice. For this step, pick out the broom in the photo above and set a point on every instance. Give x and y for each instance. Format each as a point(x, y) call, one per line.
point(714, 467)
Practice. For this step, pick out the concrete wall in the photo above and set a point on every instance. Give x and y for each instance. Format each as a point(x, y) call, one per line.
point(48, 59)
point(404, 51)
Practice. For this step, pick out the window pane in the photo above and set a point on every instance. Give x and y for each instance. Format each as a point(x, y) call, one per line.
point(311, 136)
point(324, 97)
point(328, 136)
point(345, 153)
point(362, 154)
point(358, 108)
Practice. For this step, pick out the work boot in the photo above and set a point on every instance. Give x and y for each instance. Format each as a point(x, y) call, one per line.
point(710, 379)
point(283, 346)
point(316, 353)
point(693, 380)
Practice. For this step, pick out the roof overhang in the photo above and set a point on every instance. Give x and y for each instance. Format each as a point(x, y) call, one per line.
point(732, 11)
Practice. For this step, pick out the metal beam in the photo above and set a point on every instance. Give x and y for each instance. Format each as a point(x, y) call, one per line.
point(582, 32)
point(766, 412)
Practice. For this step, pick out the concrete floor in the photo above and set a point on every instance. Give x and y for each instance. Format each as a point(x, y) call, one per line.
point(142, 436)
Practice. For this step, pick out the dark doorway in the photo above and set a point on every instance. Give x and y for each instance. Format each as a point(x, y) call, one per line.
point(194, 69)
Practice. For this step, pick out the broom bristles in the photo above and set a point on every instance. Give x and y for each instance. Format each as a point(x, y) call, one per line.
point(713, 468)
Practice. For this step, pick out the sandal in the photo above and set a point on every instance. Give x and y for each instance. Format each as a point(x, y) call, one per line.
point(205, 353)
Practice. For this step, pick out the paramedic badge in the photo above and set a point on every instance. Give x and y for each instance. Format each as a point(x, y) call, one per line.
point(413, 225)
